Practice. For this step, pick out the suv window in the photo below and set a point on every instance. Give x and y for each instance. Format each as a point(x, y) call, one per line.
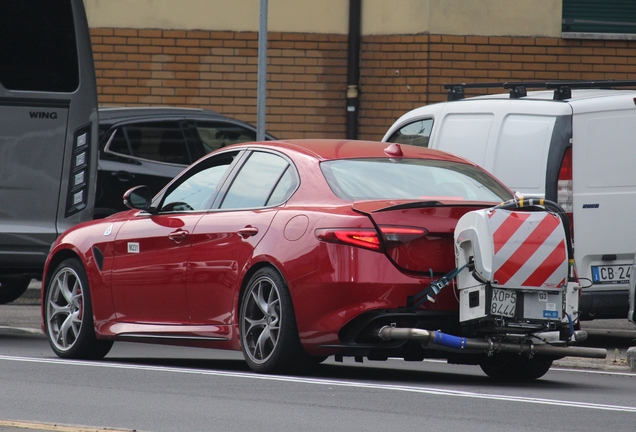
point(416, 133)
point(215, 135)
point(158, 141)
point(256, 183)
point(44, 53)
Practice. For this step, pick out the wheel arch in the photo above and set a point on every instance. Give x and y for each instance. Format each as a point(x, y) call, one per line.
point(246, 280)
point(53, 262)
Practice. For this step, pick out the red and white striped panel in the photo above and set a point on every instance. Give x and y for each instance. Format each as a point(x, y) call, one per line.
point(529, 249)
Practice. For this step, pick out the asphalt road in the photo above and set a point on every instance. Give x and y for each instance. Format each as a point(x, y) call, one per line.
point(161, 388)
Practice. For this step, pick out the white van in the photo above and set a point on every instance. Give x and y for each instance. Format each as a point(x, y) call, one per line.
point(574, 143)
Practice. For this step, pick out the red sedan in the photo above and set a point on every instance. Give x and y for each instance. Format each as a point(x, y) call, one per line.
point(290, 251)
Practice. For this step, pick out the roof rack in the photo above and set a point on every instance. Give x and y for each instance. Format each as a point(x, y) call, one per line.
point(562, 89)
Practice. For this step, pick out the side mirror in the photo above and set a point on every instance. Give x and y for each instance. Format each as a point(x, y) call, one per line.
point(139, 198)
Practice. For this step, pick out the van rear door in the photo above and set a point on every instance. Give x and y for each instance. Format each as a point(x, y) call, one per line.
point(604, 200)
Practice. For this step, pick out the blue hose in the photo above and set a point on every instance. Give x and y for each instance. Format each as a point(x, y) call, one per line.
point(571, 324)
point(449, 341)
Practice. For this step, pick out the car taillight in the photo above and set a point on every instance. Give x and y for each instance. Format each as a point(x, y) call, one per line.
point(395, 236)
point(368, 238)
point(362, 237)
point(564, 187)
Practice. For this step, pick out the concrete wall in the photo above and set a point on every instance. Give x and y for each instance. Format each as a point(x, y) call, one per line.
point(452, 17)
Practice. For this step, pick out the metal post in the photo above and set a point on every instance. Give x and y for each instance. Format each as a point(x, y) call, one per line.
point(262, 73)
point(353, 73)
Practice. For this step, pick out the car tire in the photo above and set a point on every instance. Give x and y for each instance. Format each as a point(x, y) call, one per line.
point(269, 336)
point(12, 287)
point(68, 314)
point(514, 367)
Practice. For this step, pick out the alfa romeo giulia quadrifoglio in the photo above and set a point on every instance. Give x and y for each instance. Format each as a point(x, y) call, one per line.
point(291, 251)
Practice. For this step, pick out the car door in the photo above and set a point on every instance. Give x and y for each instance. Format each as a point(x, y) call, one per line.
point(225, 238)
point(151, 249)
point(149, 153)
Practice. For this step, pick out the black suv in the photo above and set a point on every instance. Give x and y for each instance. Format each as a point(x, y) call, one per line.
point(150, 146)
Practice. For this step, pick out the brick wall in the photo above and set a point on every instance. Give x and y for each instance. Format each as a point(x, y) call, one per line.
point(307, 73)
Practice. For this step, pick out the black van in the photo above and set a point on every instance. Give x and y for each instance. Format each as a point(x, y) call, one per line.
point(48, 132)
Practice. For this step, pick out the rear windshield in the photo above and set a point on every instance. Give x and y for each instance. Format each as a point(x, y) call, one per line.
point(368, 179)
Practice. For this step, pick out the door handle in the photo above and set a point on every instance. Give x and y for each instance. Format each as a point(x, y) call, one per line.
point(248, 231)
point(178, 236)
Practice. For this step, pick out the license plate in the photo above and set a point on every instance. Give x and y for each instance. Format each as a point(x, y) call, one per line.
point(611, 274)
point(503, 303)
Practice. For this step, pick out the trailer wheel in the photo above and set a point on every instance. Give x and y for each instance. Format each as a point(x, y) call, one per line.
point(514, 367)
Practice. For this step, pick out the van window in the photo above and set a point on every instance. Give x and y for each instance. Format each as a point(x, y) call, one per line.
point(523, 140)
point(417, 133)
point(44, 53)
point(466, 135)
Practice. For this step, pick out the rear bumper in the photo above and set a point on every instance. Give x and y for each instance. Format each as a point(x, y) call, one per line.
point(604, 305)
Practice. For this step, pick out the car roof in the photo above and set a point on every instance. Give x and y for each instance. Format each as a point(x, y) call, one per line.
point(111, 114)
point(331, 149)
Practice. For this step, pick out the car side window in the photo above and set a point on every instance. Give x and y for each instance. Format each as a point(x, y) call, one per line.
point(215, 135)
point(285, 187)
point(118, 143)
point(417, 133)
point(156, 141)
point(197, 188)
point(264, 179)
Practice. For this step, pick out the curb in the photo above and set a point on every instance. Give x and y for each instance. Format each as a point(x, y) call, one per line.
point(600, 365)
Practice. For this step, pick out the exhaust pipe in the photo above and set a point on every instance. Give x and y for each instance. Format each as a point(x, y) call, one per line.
point(443, 341)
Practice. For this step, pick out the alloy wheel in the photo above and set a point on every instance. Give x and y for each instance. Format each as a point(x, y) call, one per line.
point(261, 319)
point(65, 309)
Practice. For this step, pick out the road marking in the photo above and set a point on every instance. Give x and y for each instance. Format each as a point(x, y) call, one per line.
point(327, 382)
